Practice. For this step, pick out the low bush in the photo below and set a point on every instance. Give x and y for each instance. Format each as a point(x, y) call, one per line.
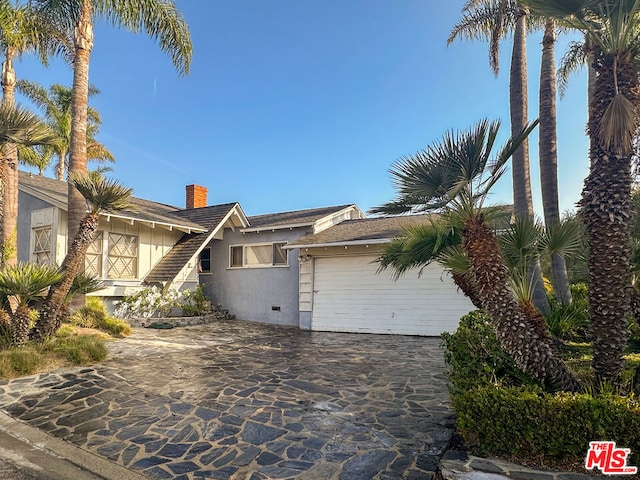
point(195, 303)
point(571, 322)
point(24, 360)
point(81, 349)
point(94, 315)
point(529, 423)
point(475, 356)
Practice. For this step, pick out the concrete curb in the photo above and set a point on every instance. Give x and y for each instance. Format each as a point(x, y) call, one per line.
point(39, 452)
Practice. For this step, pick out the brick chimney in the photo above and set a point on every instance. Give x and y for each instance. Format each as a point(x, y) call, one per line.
point(196, 196)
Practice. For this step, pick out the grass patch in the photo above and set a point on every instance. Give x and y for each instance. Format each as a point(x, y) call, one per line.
point(94, 315)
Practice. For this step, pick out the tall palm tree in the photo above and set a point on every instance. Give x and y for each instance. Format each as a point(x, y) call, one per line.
point(21, 31)
point(23, 283)
point(492, 20)
point(548, 151)
point(55, 104)
point(160, 19)
point(454, 177)
point(100, 195)
point(611, 30)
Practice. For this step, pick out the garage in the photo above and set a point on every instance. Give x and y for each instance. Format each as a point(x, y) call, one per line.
point(350, 296)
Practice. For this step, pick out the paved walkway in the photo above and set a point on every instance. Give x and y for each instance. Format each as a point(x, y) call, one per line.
point(239, 400)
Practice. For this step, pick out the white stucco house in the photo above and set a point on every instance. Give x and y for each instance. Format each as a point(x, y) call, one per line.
point(312, 268)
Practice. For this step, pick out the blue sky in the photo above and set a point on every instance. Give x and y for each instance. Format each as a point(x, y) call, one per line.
point(294, 104)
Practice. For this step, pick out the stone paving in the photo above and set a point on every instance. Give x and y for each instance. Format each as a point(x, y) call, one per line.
point(240, 400)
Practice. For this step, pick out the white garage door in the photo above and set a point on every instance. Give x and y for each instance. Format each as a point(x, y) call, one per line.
point(349, 296)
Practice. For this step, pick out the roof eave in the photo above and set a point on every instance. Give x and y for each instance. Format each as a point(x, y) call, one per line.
point(345, 243)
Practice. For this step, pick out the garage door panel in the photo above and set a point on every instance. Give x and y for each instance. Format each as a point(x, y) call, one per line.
point(350, 296)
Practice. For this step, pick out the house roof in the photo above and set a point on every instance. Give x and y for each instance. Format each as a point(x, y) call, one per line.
point(183, 251)
point(297, 218)
point(154, 213)
point(362, 231)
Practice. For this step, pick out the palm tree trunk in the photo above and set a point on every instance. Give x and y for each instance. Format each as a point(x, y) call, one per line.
point(518, 95)
point(10, 186)
point(83, 42)
point(20, 324)
point(549, 155)
point(62, 155)
point(49, 320)
point(521, 331)
point(607, 212)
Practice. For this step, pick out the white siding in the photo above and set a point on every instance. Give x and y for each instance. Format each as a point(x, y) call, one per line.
point(306, 285)
point(349, 296)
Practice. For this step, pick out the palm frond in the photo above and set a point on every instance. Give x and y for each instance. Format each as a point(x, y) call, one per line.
point(26, 281)
point(102, 194)
point(522, 242)
point(160, 19)
point(20, 126)
point(573, 59)
point(617, 125)
point(84, 283)
point(565, 238)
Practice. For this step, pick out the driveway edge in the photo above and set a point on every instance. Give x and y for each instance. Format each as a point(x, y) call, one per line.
point(39, 449)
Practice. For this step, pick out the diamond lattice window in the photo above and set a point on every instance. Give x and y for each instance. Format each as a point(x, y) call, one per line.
point(93, 257)
point(123, 256)
point(42, 245)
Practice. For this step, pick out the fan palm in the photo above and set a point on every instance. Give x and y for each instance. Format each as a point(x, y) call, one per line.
point(101, 195)
point(454, 177)
point(611, 29)
point(160, 19)
point(23, 283)
point(55, 104)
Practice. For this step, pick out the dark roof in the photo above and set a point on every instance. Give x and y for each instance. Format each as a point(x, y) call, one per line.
point(188, 245)
point(55, 191)
point(382, 228)
point(297, 217)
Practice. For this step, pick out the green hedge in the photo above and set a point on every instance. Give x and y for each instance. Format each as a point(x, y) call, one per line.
point(528, 422)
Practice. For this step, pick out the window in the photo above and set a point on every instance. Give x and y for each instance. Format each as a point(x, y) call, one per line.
point(258, 255)
point(42, 245)
point(204, 265)
point(93, 257)
point(279, 254)
point(123, 256)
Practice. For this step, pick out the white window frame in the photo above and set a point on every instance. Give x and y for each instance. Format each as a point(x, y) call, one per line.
point(108, 267)
point(37, 254)
point(257, 265)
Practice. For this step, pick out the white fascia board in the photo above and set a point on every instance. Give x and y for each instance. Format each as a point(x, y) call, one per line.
point(182, 228)
point(373, 241)
point(268, 228)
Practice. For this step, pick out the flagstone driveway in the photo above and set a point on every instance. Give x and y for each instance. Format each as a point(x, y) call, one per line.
point(237, 399)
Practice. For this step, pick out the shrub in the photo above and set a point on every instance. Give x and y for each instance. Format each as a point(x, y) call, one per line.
point(81, 349)
point(529, 423)
point(476, 357)
point(25, 360)
point(571, 322)
point(94, 315)
point(195, 303)
point(149, 302)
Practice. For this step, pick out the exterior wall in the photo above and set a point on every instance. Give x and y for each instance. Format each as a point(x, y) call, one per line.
point(250, 293)
point(153, 244)
point(28, 204)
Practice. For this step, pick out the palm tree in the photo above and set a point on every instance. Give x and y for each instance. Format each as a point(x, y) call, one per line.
point(21, 31)
point(23, 283)
point(55, 104)
point(548, 151)
point(101, 195)
point(454, 177)
point(492, 20)
point(160, 19)
point(611, 30)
